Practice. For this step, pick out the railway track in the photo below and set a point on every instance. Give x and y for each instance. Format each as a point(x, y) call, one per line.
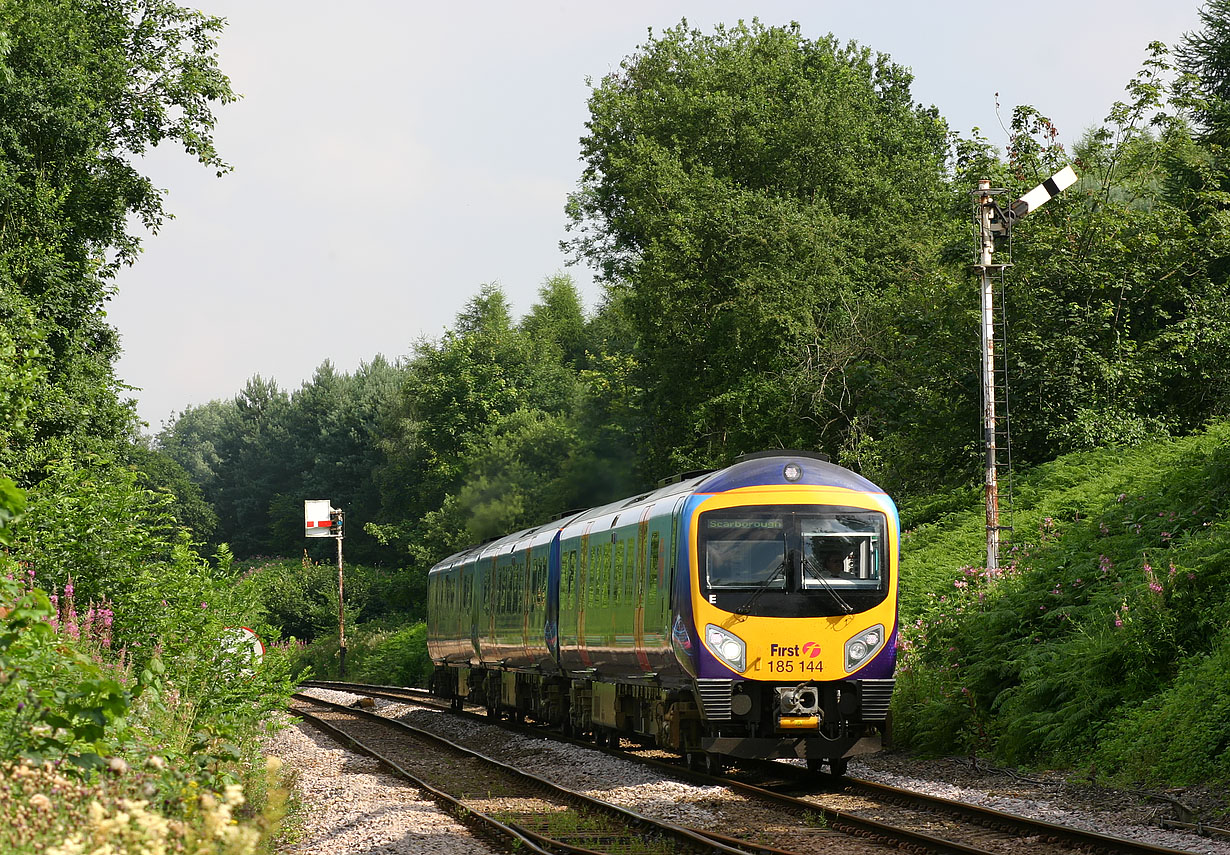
point(530, 813)
point(783, 807)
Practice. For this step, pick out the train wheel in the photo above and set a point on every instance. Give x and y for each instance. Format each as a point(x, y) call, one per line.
point(835, 766)
point(710, 764)
point(455, 704)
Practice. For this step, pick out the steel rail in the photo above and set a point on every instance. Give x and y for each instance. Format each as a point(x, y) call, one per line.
point(459, 810)
point(987, 817)
point(1002, 820)
point(842, 821)
point(689, 838)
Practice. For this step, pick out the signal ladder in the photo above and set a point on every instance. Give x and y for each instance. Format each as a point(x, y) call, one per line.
point(1000, 412)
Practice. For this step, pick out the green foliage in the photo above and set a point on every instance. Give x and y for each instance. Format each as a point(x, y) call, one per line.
point(127, 660)
point(130, 650)
point(55, 701)
point(161, 474)
point(1118, 307)
point(87, 86)
point(98, 532)
point(1104, 618)
point(12, 506)
point(300, 596)
point(484, 425)
point(1141, 744)
point(387, 653)
point(1204, 56)
point(257, 457)
point(743, 194)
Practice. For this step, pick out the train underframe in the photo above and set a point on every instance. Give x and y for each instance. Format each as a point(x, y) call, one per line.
point(706, 721)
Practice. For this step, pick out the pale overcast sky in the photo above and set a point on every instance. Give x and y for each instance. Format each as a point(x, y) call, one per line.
point(391, 157)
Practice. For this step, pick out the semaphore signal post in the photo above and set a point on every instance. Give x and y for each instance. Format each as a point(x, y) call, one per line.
point(992, 222)
point(321, 519)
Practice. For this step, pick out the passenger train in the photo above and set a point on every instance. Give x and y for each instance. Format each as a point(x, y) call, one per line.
point(747, 612)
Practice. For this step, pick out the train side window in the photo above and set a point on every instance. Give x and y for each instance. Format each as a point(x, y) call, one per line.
point(606, 560)
point(619, 570)
point(595, 574)
point(583, 582)
point(642, 564)
point(653, 575)
point(629, 568)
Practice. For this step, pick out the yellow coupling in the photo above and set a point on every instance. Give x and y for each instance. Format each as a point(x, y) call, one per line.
point(799, 722)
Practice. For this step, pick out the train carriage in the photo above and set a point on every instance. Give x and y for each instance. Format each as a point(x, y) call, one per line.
point(747, 612)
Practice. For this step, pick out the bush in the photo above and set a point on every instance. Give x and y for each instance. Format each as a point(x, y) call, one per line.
point(300, 596)
point(1110, 593)
point(55, 701)
point(126, 659)
point(380, 653)
point(1180, 736)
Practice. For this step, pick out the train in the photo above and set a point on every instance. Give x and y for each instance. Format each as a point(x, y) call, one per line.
point(748, 612)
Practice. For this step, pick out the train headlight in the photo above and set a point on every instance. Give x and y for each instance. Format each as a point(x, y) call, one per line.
point(727, 647)
point(863, 646)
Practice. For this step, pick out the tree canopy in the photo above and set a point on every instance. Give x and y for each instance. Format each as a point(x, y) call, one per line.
point(762, 202)
point(84, 87)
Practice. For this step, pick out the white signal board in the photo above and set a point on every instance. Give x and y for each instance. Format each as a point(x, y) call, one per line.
point(316, 520)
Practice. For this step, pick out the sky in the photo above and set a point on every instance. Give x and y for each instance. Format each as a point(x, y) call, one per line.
point(390, 158)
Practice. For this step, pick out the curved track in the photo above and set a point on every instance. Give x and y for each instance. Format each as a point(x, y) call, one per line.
point(876, 811)
point(529, 812)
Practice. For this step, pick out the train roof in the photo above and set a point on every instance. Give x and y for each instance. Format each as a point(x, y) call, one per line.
point(769, 468)
point(763, 469)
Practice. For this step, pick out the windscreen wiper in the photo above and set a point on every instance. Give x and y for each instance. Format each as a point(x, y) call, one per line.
point(746, 608)
point(810, 569)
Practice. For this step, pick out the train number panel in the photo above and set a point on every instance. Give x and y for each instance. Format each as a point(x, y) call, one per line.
point(795, 659)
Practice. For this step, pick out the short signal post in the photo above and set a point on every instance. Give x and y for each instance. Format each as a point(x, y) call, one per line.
point(996, 222)
point(321, 519)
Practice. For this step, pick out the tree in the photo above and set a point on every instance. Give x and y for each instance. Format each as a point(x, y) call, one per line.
point(1118, 304)
point(556, 324)
point(761, 202)
point(163, 475)
point(334, 432)
point(1204, 56)
point(454, 389)
point(85, 85)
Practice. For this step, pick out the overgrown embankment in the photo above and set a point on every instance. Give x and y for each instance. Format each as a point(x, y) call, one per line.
point(131, 704)
point(1103, 644)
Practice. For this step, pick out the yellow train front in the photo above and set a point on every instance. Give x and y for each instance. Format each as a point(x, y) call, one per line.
point(748, 612)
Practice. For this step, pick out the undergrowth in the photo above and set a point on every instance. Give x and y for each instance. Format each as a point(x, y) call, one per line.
point(1103, 641)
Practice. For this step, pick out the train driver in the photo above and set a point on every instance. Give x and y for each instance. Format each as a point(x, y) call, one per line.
point(835, 564)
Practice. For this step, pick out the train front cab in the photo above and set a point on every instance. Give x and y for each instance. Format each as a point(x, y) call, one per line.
point(794, 603)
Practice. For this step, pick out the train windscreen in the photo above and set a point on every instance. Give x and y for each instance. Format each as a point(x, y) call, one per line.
point(759, 560)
